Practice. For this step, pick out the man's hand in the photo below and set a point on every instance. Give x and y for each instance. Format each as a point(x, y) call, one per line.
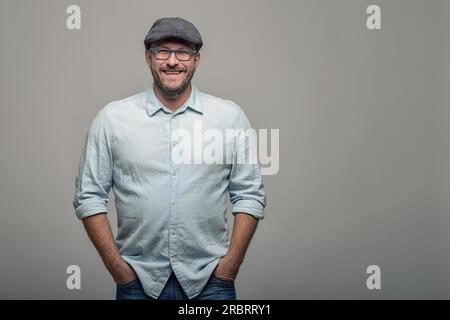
point(122, 273)
point(226, 268)
point(244, 227)
point(99, 231)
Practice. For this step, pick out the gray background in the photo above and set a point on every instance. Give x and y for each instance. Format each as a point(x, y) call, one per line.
point(364, 137)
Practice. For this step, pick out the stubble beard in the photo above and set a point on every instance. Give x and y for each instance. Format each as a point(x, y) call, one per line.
point(172, 92)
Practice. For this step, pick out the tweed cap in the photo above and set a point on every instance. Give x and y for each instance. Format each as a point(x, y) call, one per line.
point(178, 28)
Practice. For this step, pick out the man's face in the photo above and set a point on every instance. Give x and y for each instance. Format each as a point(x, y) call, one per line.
point(172, 76)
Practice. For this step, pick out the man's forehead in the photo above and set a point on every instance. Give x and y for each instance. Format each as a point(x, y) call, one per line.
point(174, 44)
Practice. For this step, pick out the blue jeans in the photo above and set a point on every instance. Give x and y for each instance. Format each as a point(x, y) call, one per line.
point(215, 289)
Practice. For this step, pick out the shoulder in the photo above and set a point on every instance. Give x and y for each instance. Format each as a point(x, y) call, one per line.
point(219, 105)
point(123, 106)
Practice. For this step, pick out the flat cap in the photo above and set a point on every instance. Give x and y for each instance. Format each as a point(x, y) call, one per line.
point(178, 28)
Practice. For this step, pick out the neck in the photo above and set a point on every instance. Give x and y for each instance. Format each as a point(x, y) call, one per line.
point(172, 103)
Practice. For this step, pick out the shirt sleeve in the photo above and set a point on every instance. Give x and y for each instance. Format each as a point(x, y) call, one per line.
point(94, 175)
point(246, 185)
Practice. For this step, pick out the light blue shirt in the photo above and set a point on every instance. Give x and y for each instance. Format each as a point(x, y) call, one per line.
point(171, 215)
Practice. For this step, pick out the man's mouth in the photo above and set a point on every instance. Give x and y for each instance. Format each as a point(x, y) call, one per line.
point(172, 72)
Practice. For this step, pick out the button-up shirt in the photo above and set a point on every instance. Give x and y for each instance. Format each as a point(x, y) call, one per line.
point(171, 212)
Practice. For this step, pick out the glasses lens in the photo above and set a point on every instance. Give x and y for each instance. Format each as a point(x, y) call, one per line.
point(183, 55)
point(162, 54)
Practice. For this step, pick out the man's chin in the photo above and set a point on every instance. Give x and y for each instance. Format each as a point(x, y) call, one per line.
point(173, 91)
point(172, 87)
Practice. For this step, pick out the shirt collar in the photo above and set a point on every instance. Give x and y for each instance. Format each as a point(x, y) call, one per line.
point(153, 105)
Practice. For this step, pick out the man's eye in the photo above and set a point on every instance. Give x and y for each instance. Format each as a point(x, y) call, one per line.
point(163, 51)
point(183, 54)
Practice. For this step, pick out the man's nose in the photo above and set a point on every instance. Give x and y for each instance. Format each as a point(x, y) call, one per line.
point(172, 61)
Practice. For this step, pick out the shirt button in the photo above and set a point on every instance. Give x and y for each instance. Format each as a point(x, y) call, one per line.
point(172, 204)
point(173, 259)
point(174, 173)
point(172, 231)
point(174, 144)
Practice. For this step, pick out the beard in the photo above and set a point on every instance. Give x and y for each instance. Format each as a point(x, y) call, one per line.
point(173, 92)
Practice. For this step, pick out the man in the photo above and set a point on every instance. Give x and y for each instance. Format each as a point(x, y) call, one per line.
point(173, 240)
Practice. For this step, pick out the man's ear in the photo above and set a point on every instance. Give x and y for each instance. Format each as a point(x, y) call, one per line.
point(197, 59)
point(148, 57)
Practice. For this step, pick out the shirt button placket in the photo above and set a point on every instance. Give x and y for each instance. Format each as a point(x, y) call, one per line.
point(172, 196)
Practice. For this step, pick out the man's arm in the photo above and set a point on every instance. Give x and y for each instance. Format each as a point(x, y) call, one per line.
point(243, 230)
point(248, 197)
point(92, 185)
point(99, 231)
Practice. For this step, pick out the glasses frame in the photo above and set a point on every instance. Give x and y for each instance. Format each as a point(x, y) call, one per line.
point(156, 49)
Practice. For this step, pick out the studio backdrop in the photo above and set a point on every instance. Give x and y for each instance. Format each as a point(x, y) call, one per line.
point(355, 95)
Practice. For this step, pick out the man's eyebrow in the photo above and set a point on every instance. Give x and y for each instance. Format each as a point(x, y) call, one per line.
point(179, 48)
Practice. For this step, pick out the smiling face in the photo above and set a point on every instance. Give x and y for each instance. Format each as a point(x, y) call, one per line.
point(172, 76)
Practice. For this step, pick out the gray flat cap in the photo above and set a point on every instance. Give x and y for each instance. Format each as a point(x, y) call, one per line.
point(178, 28)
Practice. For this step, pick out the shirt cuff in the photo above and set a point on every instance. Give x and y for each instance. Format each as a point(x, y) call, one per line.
point(250, 206)
point(90, 208)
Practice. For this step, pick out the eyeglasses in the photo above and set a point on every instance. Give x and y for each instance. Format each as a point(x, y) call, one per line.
point(164, 54)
